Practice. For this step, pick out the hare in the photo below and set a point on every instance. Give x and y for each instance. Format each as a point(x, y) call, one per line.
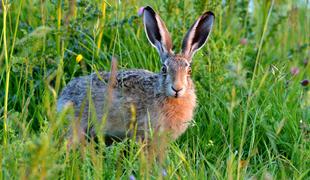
point(163, 102)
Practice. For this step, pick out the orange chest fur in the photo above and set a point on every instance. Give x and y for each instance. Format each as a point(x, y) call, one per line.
point(176, 115)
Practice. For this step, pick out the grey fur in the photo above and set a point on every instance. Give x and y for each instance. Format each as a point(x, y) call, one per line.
point(163, 102)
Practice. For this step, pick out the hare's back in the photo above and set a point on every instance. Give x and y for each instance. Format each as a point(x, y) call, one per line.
point(74, 93)
point(135, 82)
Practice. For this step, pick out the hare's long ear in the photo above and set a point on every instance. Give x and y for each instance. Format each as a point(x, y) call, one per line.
point(198, 34)
point(157, 32)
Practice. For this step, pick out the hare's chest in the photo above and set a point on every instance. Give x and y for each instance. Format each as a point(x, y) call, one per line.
point(176, 117)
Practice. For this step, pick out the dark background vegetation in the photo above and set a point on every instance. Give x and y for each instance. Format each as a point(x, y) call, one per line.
point(253, 113)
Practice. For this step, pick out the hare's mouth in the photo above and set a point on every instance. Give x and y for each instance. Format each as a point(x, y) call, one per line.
point(172, 92)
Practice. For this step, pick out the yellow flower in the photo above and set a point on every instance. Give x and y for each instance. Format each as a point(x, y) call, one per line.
point(79, 58)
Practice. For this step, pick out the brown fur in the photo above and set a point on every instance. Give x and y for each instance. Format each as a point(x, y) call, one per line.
point(139, 101)
point(177, 114)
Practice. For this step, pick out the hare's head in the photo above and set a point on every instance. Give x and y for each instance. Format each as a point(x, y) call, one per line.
point(176, 68)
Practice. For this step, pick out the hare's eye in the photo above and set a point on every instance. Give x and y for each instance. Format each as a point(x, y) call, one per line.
point(164, 69)
point(189, 71)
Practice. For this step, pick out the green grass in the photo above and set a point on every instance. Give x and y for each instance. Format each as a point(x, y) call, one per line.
point(253, 115)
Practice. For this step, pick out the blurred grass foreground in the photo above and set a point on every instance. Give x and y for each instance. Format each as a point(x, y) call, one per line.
point(252, 82)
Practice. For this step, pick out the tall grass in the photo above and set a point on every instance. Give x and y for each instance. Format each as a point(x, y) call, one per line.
point(253, 114)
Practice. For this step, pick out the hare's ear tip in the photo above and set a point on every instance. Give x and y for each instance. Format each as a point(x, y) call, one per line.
point(148, 8)
point(208, 13)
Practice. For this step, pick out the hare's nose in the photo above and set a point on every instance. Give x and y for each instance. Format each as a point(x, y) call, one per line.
point(176, 90)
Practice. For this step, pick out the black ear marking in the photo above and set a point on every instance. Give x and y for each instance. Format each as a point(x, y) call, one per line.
point(151, 26)
point(157, 32)
point(203, 29)
point(198, 34)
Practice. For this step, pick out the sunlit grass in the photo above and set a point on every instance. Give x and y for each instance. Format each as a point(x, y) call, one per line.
point(253, 114)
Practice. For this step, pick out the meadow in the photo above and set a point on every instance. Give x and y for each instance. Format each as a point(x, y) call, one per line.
point(252, 82)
